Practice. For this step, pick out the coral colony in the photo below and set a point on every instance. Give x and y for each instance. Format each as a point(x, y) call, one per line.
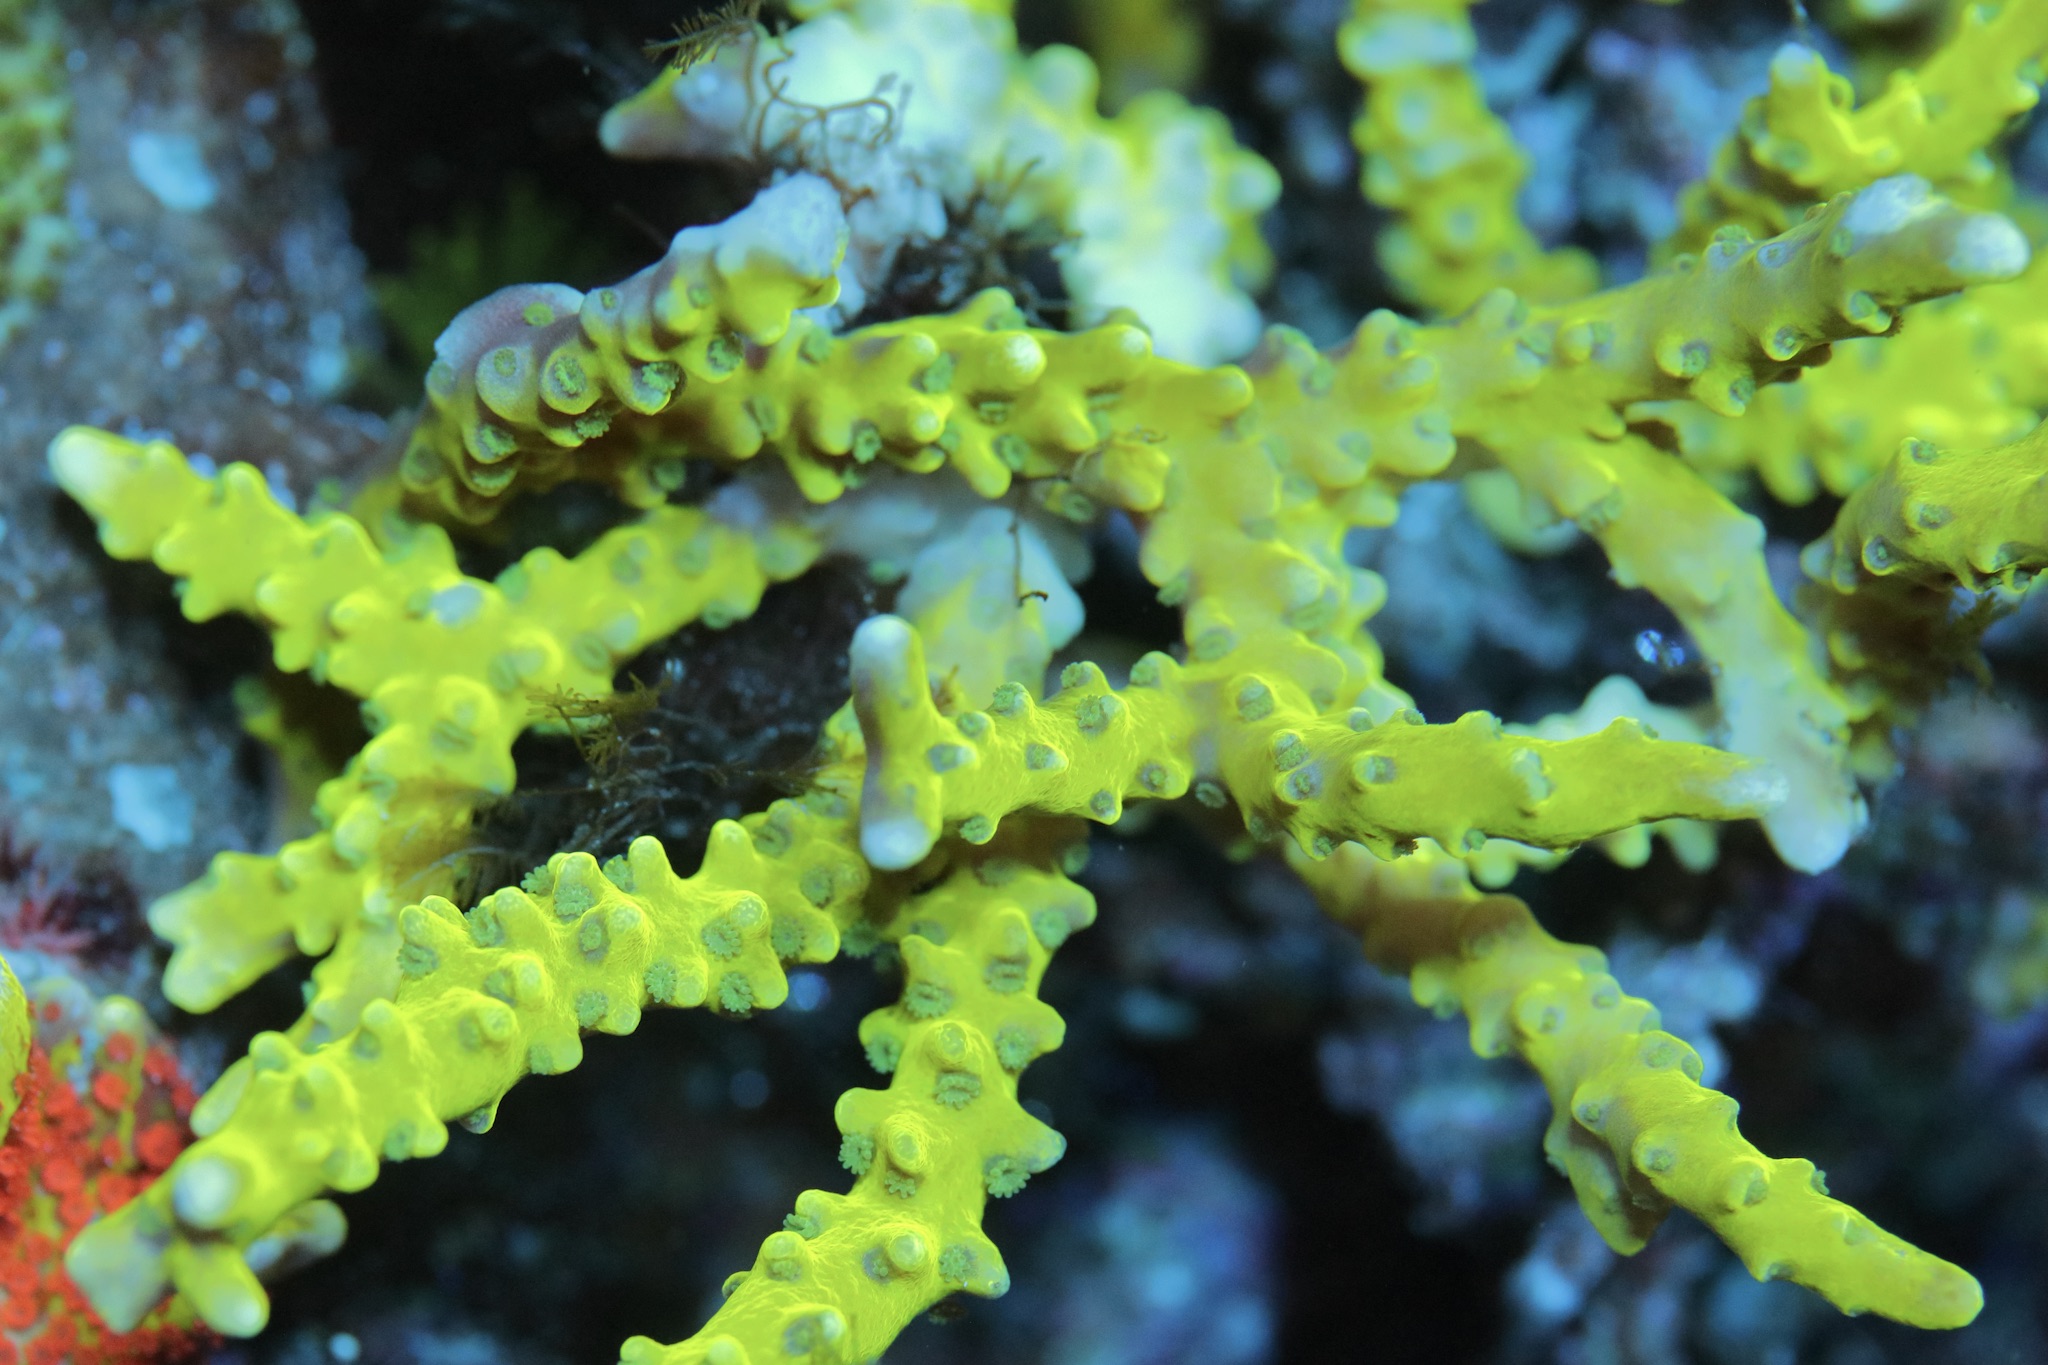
point(1830, 249)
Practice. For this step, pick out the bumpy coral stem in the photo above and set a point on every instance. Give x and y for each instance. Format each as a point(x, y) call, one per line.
point(1919, 562)
point(1802, 141)
point(486, 997)
point(1746, 314)
point(446, 666)
point(1632, 1126)
point(848, 1272)
point(1321, 778)
point(1445, 162)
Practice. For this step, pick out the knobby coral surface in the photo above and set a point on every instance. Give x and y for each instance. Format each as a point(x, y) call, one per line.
point(945, 810)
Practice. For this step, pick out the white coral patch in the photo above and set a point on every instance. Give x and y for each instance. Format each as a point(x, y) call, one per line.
point(171, 167)
point(151, 804)
point(1989, 248)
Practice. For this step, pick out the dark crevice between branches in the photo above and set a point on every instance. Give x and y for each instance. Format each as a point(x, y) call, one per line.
point(706, 726)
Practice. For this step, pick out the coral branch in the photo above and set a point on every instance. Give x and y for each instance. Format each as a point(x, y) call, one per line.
point(1801, 142)
point(1323, 779)
point(446, 665)
point(1933, 526)
point(1435, 154)
point(848, 1272)
point(1632, 1126)
point(485, 997)
point(914, 108)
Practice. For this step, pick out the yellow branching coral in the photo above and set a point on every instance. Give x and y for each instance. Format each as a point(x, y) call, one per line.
point(913, 105)
point(444, 664)
point(944, 809)
point(1886, 577)
point(35, 157)
point(1974, 518)
point(1802, 142)
point(848, 1272)
point(1278, 707)
point(1966, 371)
point(484, 998)
point(533, 376)
point(1542, 391)
point(1436, 154)
point(1617, 698)
point(1321, 779)
point(1631, 1125)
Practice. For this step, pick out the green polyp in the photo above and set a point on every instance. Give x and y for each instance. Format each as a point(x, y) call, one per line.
point(493, 443)
point(663, 982)
point(938, 377)
point(786, 938)
point(884, 1051)
point(657, 380)
point(566, 378)
point(857, 1153)
point(956, 1089)
point(867, 442)
point(927, 999)
point(735, 994)
point(1005, 1176)
point(723, 354)
point(722, 938)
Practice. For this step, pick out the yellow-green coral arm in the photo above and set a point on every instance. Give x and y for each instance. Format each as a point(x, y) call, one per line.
point(1632, 1127)
point(1329, 779)
point(1082, 753)
point(1966, 371)
point(848, 1272)
point(447, 666)
point(1972, 517)
point(486, 997)
point(1322, 779)
point(973, 389)
point(1714, 328)
point(1744, 314)
point(521, 380)
point(1886, 576)
point(1801, 141)
point(1435, 154)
